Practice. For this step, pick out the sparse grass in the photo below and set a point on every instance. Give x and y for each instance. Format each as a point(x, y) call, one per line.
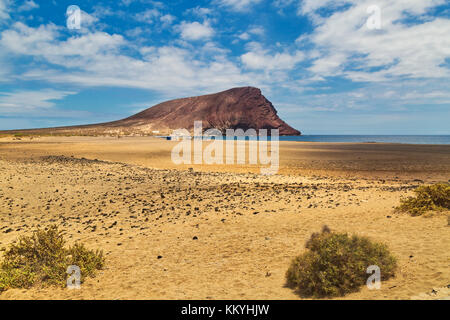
point(42, 259)
point(434, 197)
point(335, 264)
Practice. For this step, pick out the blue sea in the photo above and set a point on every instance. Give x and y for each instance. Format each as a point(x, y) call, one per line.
point(404, 139)
point(409, 139)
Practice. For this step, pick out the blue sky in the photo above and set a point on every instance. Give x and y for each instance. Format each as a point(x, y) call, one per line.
point(323, 68)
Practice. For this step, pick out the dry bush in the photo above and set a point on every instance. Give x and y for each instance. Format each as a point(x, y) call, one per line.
point(434, 197)
point(335, 264)
point(42, 259)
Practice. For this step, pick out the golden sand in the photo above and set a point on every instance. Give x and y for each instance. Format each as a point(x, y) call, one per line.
point(221, 232)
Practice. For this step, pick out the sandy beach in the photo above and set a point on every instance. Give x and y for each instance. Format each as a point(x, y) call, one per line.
point(218, 231)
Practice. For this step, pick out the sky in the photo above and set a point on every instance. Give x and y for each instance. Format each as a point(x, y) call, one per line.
point(329, 67)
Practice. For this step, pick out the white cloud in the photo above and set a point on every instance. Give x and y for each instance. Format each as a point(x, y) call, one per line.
point(238, 5)
point(22, 39)
point(310, 6)
point(4, 10)
point(28, 5)
point(135, 32)
point(42, 41)
point(200, 12)
point(29, 100)
point(341, 46)
point(329, 64)
point(244, 36)
point(101, 11)
point(348, 48)
point(195, 30)
point(155, 4)
point(260, 59)
point(96, 59)
point(155, 16)
point(167, 19)
point(254, 30)
point(87, 21)
point(148, 16)
point(257, 30)
point(378, 97)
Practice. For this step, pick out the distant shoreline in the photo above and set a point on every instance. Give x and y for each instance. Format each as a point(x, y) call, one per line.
point(381, 160)
point(396, 139)
point(370, 139)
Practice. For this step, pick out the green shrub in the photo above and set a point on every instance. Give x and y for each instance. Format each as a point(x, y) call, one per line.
point(42, 258)
point(434, 197)
point(335, 264)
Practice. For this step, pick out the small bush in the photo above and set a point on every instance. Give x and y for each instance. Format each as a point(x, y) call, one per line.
point(335, 264)
point(434, 197)
point(42, 258)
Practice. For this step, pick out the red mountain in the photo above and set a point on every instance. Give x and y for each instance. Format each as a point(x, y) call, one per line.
point(235, 108)
point(242, 108)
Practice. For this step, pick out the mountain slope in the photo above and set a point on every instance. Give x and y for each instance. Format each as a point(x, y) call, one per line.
point(242, 108)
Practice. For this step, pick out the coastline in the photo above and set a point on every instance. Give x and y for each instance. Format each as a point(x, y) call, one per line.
point(377, 160)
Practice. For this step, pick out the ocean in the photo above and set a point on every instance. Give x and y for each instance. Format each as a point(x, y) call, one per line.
point(406, 139)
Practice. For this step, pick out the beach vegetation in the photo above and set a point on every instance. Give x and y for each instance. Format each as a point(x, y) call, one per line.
point(428, 198)
point(335, 264)
point(42, 259)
